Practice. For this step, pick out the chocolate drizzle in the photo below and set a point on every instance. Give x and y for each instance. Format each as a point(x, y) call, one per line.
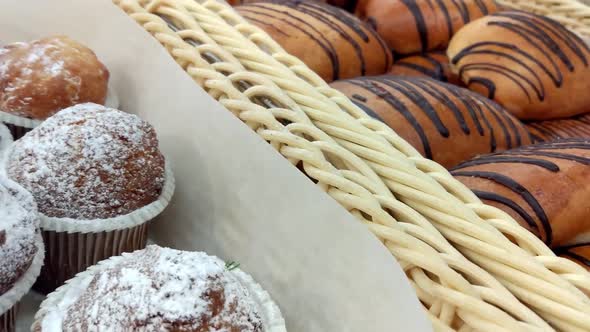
point(349, 28)
point(538, 155)
point(578, 126)
point(534, 33)
point(434, 69)
point(567, 251)
point(421, 19)
point(410, 95)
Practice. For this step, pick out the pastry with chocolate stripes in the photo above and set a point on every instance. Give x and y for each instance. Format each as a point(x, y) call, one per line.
point(550, 130)
point(445, 123)
point(411, 26)
point(329, 40)
point(530, 64)
point(543, 186)
point(434, 65)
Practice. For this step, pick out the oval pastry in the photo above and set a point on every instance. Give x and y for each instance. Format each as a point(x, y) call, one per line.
point(411, 26)
point(446, 123)
point(434, 65)
point(550, 130)
point(532, 65)
point(543, 186)
point(330, 41)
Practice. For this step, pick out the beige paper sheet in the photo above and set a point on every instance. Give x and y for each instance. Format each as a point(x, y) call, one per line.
point(236, 197)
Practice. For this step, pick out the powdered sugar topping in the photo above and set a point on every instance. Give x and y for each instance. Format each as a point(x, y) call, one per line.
point(18, 226)
point(89, 162)
point(155, 289)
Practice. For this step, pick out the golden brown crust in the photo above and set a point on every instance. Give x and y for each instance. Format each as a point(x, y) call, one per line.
point(532, 65)
point(329, 40)
point(550, 130)
point(445, 123)
point(543, 186)
point(39, 78)
point(433, 64)
point(411, 26)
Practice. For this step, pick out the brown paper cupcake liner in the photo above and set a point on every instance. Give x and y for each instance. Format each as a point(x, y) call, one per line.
point(70, 253)
point(74, 245)
point(8, 320)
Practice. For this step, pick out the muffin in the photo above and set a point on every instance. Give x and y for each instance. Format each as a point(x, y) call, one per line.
point(21, 249)
point(147, 291)
point(97, 176)
point(41, 77)
point(336, 44)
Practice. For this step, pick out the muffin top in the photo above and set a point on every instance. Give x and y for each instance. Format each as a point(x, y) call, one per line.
point(89, 162)
point(41, 77)
point(157, 289)
point(18, 228)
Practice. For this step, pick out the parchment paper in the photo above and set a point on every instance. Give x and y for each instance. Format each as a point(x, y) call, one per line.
point(236, 197)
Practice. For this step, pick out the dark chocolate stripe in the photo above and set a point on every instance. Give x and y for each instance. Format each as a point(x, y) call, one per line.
point(509, 203)
point(518, 189)
point(418, 99)
point(493, 159)
point(414, 8)
point(324, 44)
point(378, 91)
point(571, 246)
point(575, 256)
point(368, 110)
point(447, 16)
point(556, 155)
point(511, 74)
point(434, 73)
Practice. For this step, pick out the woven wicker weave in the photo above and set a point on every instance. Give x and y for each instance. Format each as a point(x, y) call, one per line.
point(574, 14)
point(454, 249)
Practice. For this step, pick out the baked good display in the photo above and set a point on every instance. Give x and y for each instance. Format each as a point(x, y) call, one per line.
point(88, 167)
point(579, 253)
point(542, 186)
point(21, 249)
point(411, 26)
point(160, 289)
point(530, 64)
point(445, 123)
point(337, 44)
point(549, 130)
point(433, 64)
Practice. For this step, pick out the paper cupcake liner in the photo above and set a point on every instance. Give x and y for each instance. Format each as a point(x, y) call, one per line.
point(5, 141)
point(271, 316)
point(9, 300)
point(8, 320)
point(70, 253)
point(19, 125)
point(74, 245)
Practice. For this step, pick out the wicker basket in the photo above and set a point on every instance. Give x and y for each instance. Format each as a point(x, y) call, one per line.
point(472, 266)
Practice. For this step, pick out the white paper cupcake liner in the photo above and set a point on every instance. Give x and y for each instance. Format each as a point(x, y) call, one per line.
point(19, 125)
point(5, 141)
point(270, 312)
point(271, 316)
point(24, 284)
point(130, 220)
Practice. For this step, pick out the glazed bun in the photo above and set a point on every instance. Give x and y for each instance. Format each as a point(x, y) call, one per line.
point(445, 123)
point(411, 26)
point(550, 130)
point(543, 186)
point(41, 77)
point(530, 64)
point(434, 65)
point(329, 40)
